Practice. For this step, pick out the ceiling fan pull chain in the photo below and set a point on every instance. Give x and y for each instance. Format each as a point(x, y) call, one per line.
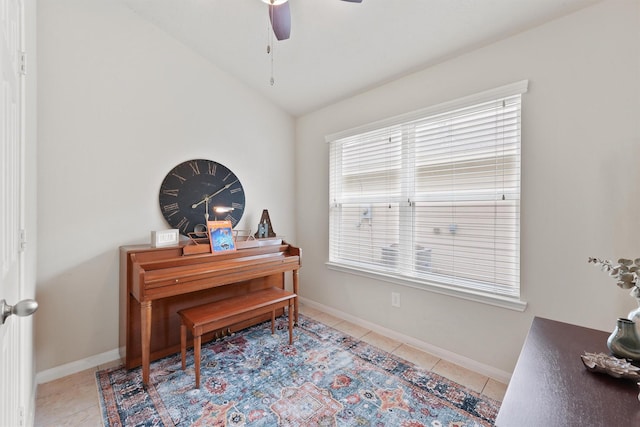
point(270, 49)
point(272, 80)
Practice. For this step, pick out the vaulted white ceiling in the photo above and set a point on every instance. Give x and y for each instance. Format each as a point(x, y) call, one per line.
point(337, 48)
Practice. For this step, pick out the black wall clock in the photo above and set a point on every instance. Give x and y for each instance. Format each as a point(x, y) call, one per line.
point(191, 192)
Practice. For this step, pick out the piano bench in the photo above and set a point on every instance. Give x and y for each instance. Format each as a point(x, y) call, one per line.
point(219, 314)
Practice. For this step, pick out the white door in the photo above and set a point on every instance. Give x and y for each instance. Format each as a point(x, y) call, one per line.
point(16, 373)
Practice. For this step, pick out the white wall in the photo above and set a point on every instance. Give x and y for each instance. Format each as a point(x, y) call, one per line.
point(120, 104)
point(580, 183)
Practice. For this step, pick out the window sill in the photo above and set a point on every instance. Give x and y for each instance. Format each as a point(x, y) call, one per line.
point(496, 300)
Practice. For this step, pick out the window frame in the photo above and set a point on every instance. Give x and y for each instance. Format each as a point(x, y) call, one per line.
point(513, 302)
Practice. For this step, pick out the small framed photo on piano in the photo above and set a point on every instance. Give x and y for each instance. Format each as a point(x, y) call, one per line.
point(162, 238)
point(221, 236)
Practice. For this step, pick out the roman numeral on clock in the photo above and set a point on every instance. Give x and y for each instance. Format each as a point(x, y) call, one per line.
point(183, 224)
point(195, 168)
point(171, 192)
point(171, 209)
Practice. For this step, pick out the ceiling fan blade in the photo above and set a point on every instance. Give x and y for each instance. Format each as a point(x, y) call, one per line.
point(353, 1)
point(280, 17)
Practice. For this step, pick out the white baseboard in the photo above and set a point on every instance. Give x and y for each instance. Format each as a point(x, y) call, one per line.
point(114, 355)
point(465, 362)
point(77, 366)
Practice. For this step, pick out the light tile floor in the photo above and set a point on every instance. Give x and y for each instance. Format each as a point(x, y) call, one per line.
point(73, 400)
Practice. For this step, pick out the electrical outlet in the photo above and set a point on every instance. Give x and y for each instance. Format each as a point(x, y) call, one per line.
point(395, 299)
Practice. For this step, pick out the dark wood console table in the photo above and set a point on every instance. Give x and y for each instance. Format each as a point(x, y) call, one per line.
point(156, 283)
point(551, 387)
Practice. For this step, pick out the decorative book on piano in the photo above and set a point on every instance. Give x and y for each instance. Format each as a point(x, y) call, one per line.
point(221, 236)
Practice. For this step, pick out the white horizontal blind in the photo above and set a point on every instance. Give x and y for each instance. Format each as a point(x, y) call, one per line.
point(435, 199)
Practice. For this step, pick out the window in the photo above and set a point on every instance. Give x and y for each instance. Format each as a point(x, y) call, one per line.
point(432, 198)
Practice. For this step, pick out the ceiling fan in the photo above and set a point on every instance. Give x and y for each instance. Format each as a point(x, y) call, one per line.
point(280, 17)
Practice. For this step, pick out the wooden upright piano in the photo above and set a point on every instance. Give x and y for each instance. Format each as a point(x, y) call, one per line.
point(155, 283)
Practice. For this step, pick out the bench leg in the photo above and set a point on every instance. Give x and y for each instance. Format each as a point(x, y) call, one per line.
point(291, 315)
point(196, 354)
point(183, 345)
point(273, 322)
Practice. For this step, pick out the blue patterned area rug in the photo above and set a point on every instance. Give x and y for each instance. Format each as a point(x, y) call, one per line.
point(326, 378)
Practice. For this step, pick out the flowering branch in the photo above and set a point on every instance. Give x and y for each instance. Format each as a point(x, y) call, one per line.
point(626, 272)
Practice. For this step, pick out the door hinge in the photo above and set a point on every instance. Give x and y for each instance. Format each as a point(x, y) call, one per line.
point(23, 62)
point(23, 240)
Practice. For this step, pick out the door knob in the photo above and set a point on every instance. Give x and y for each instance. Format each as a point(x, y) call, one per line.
point(24, 308)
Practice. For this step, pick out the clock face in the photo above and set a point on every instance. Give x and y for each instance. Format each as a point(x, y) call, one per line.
point(199, 190)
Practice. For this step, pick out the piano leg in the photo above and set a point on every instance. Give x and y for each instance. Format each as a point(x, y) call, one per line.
point(295, 300)
point(145, 333)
